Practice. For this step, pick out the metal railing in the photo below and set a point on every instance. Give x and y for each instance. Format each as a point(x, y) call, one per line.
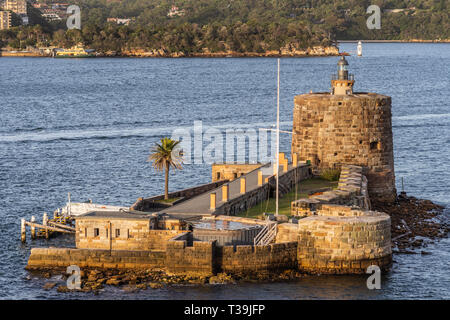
point(266, 235)
point(351, 76)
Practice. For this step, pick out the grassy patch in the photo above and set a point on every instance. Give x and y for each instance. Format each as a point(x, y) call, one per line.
point(170, 200)
point(331, 174)
point(284, 206)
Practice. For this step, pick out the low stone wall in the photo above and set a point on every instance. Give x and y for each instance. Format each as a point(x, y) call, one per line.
point(195, 260)
point(200, 258)
point(274, 257)
point(117, 259)
point(149, 204)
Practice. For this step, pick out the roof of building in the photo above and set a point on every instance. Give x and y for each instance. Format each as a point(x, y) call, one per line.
point(117, 215)
point(133, 214)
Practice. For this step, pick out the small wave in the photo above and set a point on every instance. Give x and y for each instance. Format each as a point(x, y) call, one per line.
point(419, 125)
point(80, 126)
point(422, 116)
point(70, 135)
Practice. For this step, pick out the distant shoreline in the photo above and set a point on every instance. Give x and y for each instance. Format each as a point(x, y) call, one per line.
point(315, 51)
point(140, 53)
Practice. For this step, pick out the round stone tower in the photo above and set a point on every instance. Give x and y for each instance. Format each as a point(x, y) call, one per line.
point(346, 127)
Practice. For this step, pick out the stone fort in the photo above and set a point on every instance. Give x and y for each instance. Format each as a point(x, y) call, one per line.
point(331, 232)
point(346, 127)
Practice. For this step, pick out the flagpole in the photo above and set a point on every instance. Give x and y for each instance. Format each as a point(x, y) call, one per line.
point(278, 137)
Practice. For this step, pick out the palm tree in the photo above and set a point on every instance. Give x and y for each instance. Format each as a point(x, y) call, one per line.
point(164, 156)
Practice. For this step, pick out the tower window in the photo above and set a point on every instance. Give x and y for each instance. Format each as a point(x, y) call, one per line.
point(373, 145)
point(96, 232)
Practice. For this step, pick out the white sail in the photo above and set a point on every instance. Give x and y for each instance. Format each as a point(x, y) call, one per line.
point(359, 48)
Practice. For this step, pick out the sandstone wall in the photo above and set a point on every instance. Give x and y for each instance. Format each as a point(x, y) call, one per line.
point(331, 130)
point(119, 259)
point(250, 259)
point(349, 244)
point(340, 239)
point(133, 234)
point(197, 259)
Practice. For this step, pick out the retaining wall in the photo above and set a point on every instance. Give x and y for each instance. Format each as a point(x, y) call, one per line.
point(200, 259)
point(195, 260)
point(94, 258)
point(274, 257)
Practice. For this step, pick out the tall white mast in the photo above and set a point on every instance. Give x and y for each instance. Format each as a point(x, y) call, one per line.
point(278, 137)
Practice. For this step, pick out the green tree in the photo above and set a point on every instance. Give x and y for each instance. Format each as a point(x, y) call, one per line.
point(164, 156)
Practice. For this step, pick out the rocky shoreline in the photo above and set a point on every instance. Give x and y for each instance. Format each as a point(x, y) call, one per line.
point(415, 223)
point(94, 280)
point(288, 51)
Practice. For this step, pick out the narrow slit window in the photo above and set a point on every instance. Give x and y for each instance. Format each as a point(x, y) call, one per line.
point(96, 232)
point(117, 233)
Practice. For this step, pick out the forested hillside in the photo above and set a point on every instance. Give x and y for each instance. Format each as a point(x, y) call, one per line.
point(236, 25)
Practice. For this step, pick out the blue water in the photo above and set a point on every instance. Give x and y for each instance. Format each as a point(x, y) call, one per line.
point(86, 127)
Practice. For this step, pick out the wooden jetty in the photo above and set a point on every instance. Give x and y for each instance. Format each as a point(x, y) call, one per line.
point(62, 219)
point(59, 224)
